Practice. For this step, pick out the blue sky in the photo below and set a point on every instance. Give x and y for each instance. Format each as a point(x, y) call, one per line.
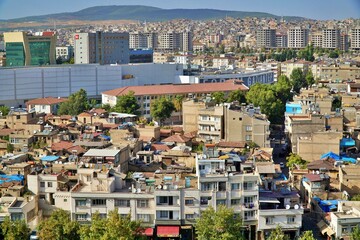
point(317, 9)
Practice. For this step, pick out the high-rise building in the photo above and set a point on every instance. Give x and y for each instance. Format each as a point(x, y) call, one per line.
point(65, 52)
point(186, 43)
point(281, 40)
point(102, 48)
point(298, 37)
point(169, 41)
point(142, 40)
point(331, 38)
point(355, 38)
point(266, 38)
point(317, 39)
point(24, 49)
point(344, 42)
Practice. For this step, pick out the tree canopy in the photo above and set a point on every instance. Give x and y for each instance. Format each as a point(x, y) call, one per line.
point(14, 230)
point(307, 235)
point(4, 110)
point(298, 80)
point(113, 227)
point(127, 104)
point(309, 78)
point(277, 234)
point(221, 224)
point(307, 53)
point(355, 234)
point(76, 104)
point(162, 109)
point(237, 95)
point(59, 227)
point(295, 160)
point(218, 97)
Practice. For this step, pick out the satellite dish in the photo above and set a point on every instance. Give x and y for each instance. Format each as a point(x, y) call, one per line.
point(175, 187)
point(317, 172)
point(287, 206)
point(133, 190)
point(159, 187)
point(165, 187)
point(138, 190)
point(296, 206)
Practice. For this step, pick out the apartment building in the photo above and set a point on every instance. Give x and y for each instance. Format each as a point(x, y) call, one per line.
point(331, 38)
point(345, 219)
point(146, 94)
point(281, 40)
point(314, 100)
point(355, 38)
point(65, 53)
point(226, 122)
point(266, 37)
point(340, 72)
point(317, 39)
point(298, 37)
point(142, 40)
point(102, 48)
point(344, 42)
point(175, 41)
point(23, 49)
point(288, 66)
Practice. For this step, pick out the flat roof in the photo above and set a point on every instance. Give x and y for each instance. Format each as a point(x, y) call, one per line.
point(102, 153)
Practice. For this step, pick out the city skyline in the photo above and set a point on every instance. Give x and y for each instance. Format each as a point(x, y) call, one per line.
point(329, 9)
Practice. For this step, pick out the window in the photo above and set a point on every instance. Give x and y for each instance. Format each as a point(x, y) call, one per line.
point(290, 219)
point(122, 203)
point(248, 137)
point(143, 217)
point(142, 203)
point(248, 185)
point(248, 128)
point(16, 216)
point(248, 199)
point(249, 214)
point(42, 184)
point(270, 220)
point(88, 178)
point(65, 200)
point(235, 201)
point(79, 203)
point(164, 214)
point(49, 184)
point(221, 202)
point(189, 216)
point(98, 202)
point(235, 186)
point(189, 202)
point(81, 217)
point(204, 200)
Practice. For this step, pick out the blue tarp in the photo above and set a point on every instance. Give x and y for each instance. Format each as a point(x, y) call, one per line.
point(107, 138)
point(327, 205)
point(347, 142)
point(11, 178)
point(331, 155)
point(50, 158)
point(293, 108)
point(338, 158)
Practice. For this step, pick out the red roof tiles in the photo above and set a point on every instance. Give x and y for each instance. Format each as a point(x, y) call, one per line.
point(178, 89)
point(46, 101)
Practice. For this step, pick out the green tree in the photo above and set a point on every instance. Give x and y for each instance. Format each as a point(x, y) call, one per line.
point(72, 60)
point(283, 89)
point(178, 101)
point(309, 78)
point(355, 234)
point(295, 160)
point(336, 103)
point(76, 104)
point(355, 197)
point(333, 54)
point(218, 97)
point(298, 80)
point(307, 235)
point(59, 227)
point(162, 109)
point(14, 230)
point(106, 106)
point(278, 234)
point(221, 224)
point(113, 227)
point(127, 104)
point(237, 95)
point(4, 110)
point(59, 60)
point(9, 148)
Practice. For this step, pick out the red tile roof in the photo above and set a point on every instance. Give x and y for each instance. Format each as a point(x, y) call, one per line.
point(6, 131)
point(46, 101)
point(229, 85)
point(61, 145)
point(313, 177)
point(159, 147)
point(177, 139)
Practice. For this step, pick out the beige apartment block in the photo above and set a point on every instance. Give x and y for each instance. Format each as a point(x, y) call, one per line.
point(349, 179)
point(340, 72)
point(319, 143)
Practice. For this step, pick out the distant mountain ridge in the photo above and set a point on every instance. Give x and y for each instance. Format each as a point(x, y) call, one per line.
point(142, 13)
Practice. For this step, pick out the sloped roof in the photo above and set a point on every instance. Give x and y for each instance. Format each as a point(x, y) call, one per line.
point(177, 139)
point(229, 85)
point(240, 144)
point(46, 101)
point(61, 145)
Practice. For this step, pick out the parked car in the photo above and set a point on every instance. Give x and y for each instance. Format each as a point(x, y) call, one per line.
point(282, 165)
point(33, 235)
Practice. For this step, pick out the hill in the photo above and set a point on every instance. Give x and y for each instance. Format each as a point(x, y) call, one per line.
point(137, 12)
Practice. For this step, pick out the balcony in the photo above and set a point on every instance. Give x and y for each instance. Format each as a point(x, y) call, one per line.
point(168, 221)
point(221, 195)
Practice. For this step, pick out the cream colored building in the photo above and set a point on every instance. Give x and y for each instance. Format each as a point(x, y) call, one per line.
point(340, 72)
point(288, 66)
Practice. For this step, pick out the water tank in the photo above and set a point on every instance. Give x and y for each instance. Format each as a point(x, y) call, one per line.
point(187, 182)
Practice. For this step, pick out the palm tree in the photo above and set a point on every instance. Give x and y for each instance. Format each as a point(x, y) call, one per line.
point(177, 100)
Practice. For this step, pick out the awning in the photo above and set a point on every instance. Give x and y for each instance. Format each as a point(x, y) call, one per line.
point(269, 200)
point(149, 232)
point(168, 231)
